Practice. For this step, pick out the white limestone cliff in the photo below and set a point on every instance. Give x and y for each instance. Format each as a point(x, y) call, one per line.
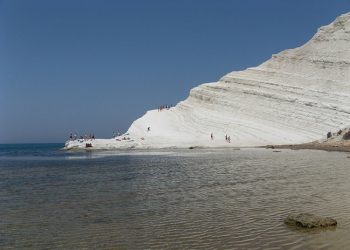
point(295, 97)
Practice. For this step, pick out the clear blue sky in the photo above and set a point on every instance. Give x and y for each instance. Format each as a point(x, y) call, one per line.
point(95, 66)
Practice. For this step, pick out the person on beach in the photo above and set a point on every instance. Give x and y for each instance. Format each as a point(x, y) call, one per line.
point(225, 137)
point(229, 139)
point(148, 129)
point(211, 136)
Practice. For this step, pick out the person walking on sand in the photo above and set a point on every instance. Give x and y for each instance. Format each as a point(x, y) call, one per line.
point(148, 129)
point(212, 136)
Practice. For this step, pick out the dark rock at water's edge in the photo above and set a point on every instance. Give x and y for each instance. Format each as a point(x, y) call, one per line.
point(329, 135)
point(346, 136)
point(307, 220)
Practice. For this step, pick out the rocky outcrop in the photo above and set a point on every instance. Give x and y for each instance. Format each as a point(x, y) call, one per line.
point(346, 136)
point(342, 136)
point(295, 97)
point(307, 220)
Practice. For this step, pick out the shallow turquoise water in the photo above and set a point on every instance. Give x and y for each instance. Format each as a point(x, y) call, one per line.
point(179, 199)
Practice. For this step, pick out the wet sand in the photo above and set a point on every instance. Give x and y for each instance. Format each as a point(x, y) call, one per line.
point(340, 146)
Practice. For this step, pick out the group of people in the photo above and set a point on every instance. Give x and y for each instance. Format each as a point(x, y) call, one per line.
point(115, 134)
point(164, 107)
point(74, 137)
point(123, 139)
point(227, 138)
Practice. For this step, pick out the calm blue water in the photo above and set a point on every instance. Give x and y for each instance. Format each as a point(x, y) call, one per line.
point(178, 199)
point(33, 151)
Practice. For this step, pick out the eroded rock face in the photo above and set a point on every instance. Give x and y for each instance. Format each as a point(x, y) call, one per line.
point(307, 220)
point(295, 97)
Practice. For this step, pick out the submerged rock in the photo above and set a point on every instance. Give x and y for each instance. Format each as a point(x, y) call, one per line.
point(308, 220)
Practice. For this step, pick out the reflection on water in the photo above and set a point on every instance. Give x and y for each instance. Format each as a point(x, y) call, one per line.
point(185, 199)
point(102, 154)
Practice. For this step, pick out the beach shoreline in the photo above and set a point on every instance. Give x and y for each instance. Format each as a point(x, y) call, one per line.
point(341, 146)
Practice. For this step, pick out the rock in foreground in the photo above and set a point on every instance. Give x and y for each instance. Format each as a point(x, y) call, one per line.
point(307, 220)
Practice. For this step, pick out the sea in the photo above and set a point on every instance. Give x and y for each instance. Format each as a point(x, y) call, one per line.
point(171, 198)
